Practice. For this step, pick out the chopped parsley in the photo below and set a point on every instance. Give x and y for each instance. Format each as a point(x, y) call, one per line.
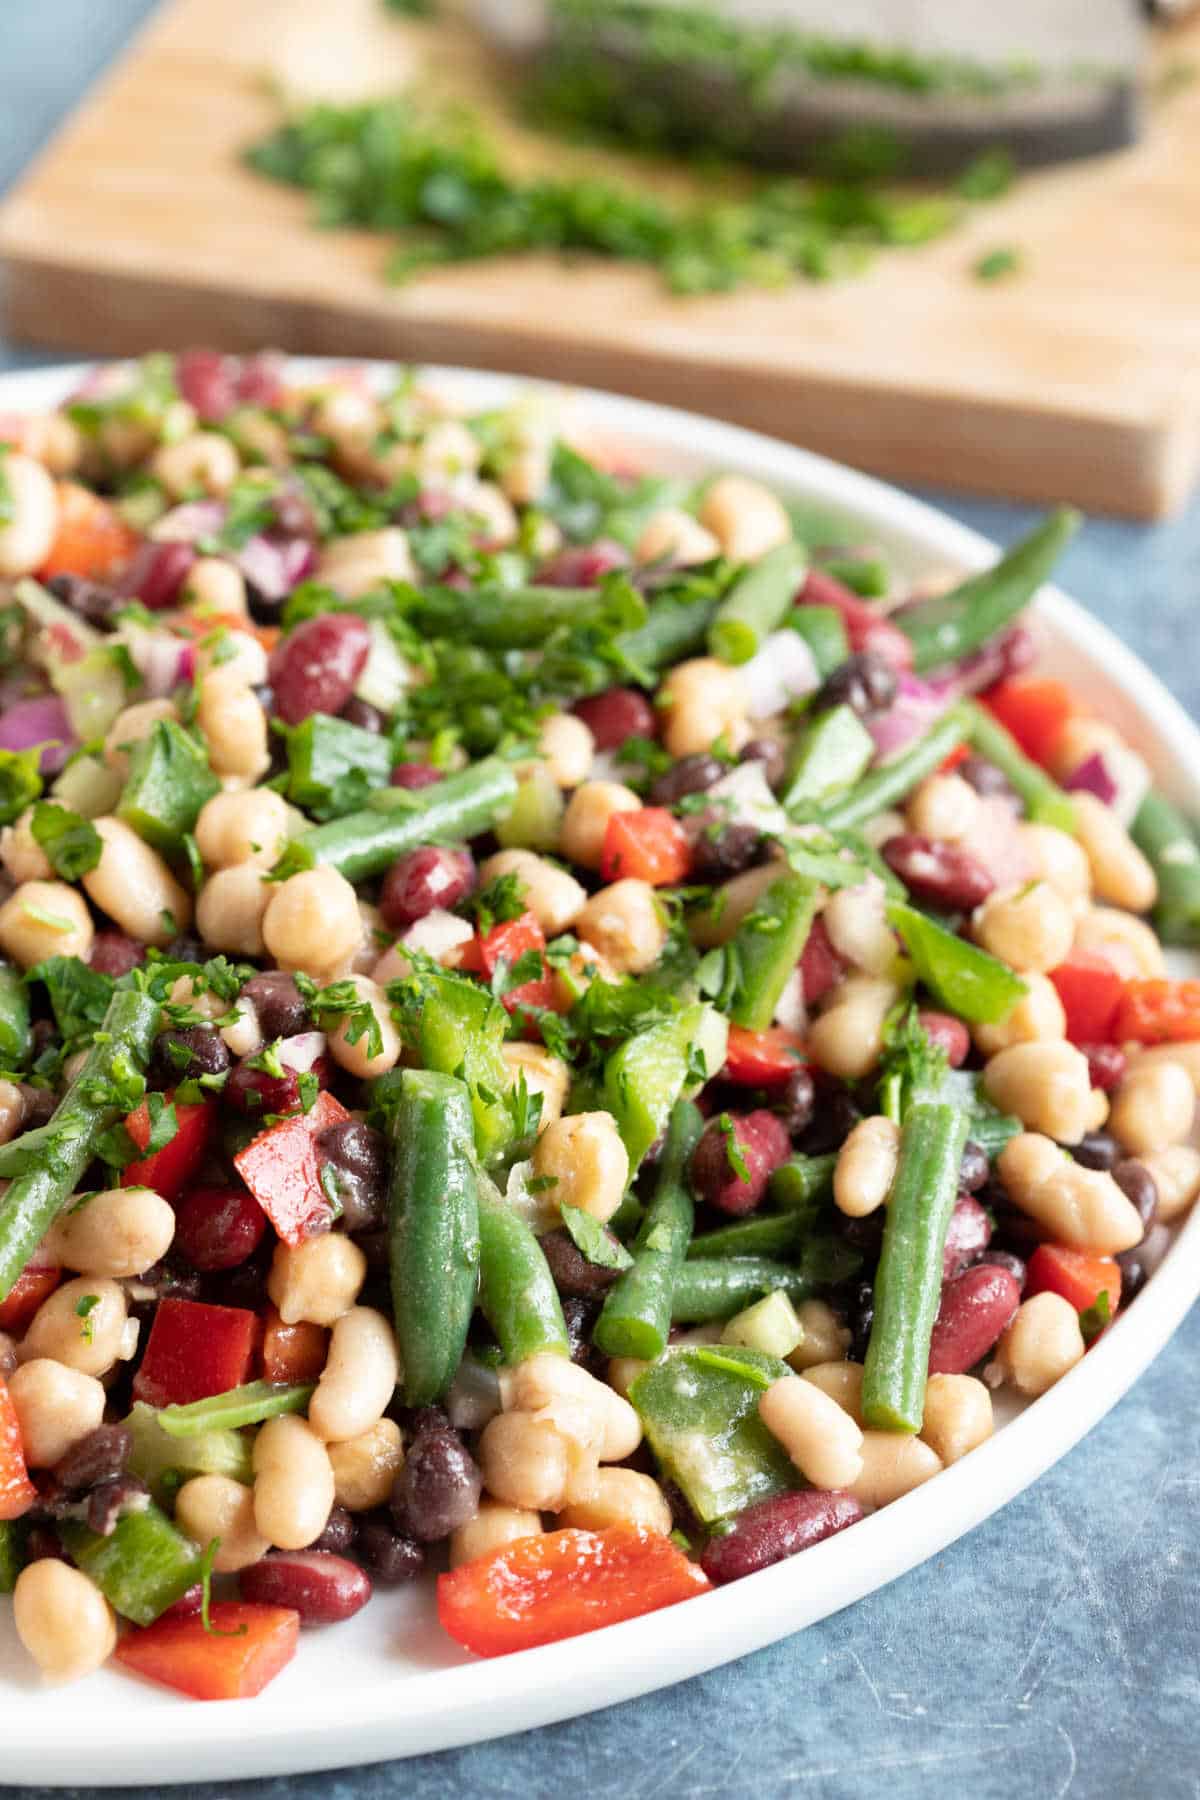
point(72, 844)
point(735, 1156)
point(594, 1241)
point(1094, 1318)
point(20, 781)
point(998, 264)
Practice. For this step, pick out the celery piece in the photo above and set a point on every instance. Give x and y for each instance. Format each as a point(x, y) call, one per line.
point(156, 1455)
point(248, 1405)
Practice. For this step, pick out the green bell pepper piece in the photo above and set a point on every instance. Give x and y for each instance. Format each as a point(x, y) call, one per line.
point(169, 781)
point(699, 1409)
point(460, 1032)
point(963, 978)
point(646, 1076)
point(831, 755)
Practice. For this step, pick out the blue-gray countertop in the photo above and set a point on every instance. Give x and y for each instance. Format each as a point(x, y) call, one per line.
point(1054, 1651)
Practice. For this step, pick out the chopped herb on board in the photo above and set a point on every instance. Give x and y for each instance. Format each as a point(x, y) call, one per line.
point(996, 265)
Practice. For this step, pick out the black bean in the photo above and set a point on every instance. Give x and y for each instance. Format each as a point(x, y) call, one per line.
point(862, 1317)
point(579, 1316)
point(186, 948)
point(438, 1487)
point(573, 1274)
point(1004, 1259)
point(1096, 1150)
point(770, 754)
point(39, 1105)
point(974, 1169)
point(188, 1052)
point(834, 1118)
point(359, 1154)
point(985, 778)
point(339, 1533)
point(1134, 1275)
point(415, 1420)
point(111, 1500)
point(690, 775)
point(1137, 1184)
point(276, 999)
point(865, 1234)
point(92, 600)
point(363, 714)
point(866, 683)
point(720, 849)
point(385, 1552)
point(797, 1101)
point(99, 1456)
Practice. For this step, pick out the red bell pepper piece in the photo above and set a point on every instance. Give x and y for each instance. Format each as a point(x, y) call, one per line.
point(1034, 712)
point(958, 755)
point(170, 1169)
point(292, 1353)
point(866, 627)
point(1158, 1012)
point(539, 1590)
point(17, 1492)
point(195, 1350)
point(821, 968)
point(1090, 990)
point(92, 538)
point(506, 942)
point(1075, 1274)
point(762, 1058)
point(31, 1287)
point(254, 1644)
point(650, 845)
point(283, 1171)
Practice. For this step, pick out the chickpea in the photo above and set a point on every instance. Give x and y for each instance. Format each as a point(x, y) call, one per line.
point(22, 855)
point(293, 1483)
point(842, 1381)
point(359, 1377)
point(493, 1526)
point(1041, 1344)
point(824, 1338)
point(448, 449)
point(354, 565)
point(568, 747)
point(213, 585)
point(585, 821)
point(1127, 943)
point(701, 701)
point(746, 518)
point(312, 920)
point(496, 522)
point(358, 1057)
point(1039, 1016)
point(1153, 1108)
point(120, 1232)
point(1081, 1207)
point(55, 441)
point(1176, 1173)
point(847, 1039)
point(526, 471)
point(205, 460)
point(347, 414)
point(234, 725)
point(1120, 872)
point(1185, 1054)
point(230, 909)
point(82, 1324)
point(1055, 857)
point(1028, 927)
point(582, 967)
point(133, 727)
point(673, 536)
point(892, 1465)
point(1048, 1086)
point(134, 886)
point(553, 897)
point(618, 1497)
point(858, 929)
point(866, 1166)
point(43, 919)
point(733, 901)
point(12, 1111)
point(544, 1074)
point(237, 654)
point(63, 1620)
point(55, 1407)
point(626, 924)
point(944, 807)
point(214, 1506)
point(525, 1462)
point(958, 1415)
point(365, 1467)
point(585, 1158)
point(318, 1280)
point(582, 1409)
point(32, 517)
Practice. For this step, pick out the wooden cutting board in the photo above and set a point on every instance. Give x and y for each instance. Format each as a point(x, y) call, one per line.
point(1078, 379)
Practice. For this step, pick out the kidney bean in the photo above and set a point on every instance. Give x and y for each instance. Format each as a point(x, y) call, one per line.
point(156, 574)
point(774, 1529)
point(1004, 1259)
point(109, 1502)
point(866, 683)
point(99, 1456)
point(207, 380)
point(94, 601)
point(424, 879)
point(796, 1102)
point(253, 1092)
point(113, 953)
point(363, 714)
point(38, 1103)
point(761, 1142)
point(584, 565)
point(359, 1154)
point(276, 999)
point(260, 379)
point(438, 1487)
point(719, 849)
point(967, 1236)
point(821, 968)
point(834, 1118)
point(339, 1533)
point(986, 779)
point(690, 775)
point(615, 715)
point(186, 1052)
point(1137, 1184)
point(1106, 1065)
point(391, 1557)
point(1096, 1150)
point(573, 1274)
point(974, 1169)
point(315, 668)
point(948, 1032)
point(770, 754)
point(416, 775)
point(940, 874)
point(975, 1308)
point(218, 1228)
point(321, 1587)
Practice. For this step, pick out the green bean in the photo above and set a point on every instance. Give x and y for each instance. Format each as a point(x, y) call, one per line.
point(45, 1164)
point(757, 603)
point(770, 1234)
point(637, 1311)
point(521, 618)
point(830, 756)
point(908, 1281)
point(866, 576)
point(1045, 802)
point(802, 1184)
point(722, 1286)
point(12, 1552)
point(14, 1018)
point(674, 629)
point(365, 843)
point(1163, 835)
point(517, 1295)
point(824, 631)
point(769, 943)
point(882, 787)
point(949, 626)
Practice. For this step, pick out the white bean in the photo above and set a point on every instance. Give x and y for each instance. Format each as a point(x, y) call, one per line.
point(134, 886)
point(293, 1483)
point(359, 1377)
point(55, 1407)
point(32, 518)
point(44, 919)
point(214, 1506)
point(822, 1440)
point(119, 1232)
point(81, 1324)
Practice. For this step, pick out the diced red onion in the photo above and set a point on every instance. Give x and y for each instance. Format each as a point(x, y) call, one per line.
point(299, 1053)
point(1093, 777)
point(1116, 775)
point(276, 565)
point(746, 799)
point(1003, 658)
point(918, 704)
point(782, 669)
point(790, 1010)
point(584, 565)
point(163, 662)
point(44, 721)
point(184, 524)
point(437, 933)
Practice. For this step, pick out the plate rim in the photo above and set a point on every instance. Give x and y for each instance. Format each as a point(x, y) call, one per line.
point(447, 1707)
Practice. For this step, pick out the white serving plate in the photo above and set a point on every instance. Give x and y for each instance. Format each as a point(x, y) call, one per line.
point(390, 1683)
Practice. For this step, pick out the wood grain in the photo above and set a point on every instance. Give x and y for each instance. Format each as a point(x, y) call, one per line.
point(1079, 379)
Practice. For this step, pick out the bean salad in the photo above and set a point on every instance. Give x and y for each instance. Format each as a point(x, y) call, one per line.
point(556, 1030)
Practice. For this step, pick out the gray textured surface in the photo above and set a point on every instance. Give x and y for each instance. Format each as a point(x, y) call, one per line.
point(1056, 1650)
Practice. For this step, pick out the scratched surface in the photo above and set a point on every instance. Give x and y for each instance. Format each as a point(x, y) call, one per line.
point(1056, 1650)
